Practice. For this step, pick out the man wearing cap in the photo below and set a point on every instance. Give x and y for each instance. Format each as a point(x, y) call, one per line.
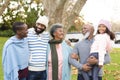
point(37, 41)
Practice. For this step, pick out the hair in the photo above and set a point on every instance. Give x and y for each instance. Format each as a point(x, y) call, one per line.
point(111, 34)
point(17, 26)
point(54, 27)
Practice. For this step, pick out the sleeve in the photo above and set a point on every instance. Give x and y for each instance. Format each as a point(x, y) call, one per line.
point(74, 62)
point(102, 43)
point(107, 58)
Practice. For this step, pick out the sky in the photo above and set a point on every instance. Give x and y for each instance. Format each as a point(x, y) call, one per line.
point(94, 10)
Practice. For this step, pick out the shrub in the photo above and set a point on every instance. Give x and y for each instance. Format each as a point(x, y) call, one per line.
point(6, 33)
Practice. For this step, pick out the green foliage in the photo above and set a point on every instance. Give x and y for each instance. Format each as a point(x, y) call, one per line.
point(7, 33)
point(9, 18)
point(30, 20)
point(72, 29)
point(23, 12)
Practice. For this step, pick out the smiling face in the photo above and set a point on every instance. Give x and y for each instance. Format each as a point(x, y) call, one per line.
point(101, 28)
point(87, 30)
point(58, 34)
point(39, 28)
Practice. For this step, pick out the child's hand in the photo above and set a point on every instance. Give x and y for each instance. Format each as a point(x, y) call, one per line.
point(100, 66)
point(74, 56)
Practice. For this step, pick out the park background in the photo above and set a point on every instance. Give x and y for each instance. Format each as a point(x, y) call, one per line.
point(71, 13)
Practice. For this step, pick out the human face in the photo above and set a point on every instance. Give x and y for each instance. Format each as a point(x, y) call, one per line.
point(59, 34)
point(101, 28)
point(23, 31)
point(85, 29)
point(39, 28)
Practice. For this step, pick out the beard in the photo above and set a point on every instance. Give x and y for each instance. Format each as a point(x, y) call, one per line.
point(39, 31)
point(86, 35)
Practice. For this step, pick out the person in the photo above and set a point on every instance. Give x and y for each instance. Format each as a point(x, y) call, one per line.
point(58, 55)
point(16, 53)
point(37, 41)
point(82, 49)
point(100, 46)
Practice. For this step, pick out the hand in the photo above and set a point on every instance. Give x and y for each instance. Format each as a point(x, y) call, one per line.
point(100, 66)
point(68, 42)
point(92, 60)
point(86, 67)
point(74, 56)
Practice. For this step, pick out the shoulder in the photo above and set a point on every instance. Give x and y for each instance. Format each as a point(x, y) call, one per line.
point(8, 42)
point(80, 43)
point(45, 33)
point(64, 44)
point(102, 36)
point(31, 29)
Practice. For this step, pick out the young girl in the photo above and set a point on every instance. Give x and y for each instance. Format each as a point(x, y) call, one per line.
point(100, 46)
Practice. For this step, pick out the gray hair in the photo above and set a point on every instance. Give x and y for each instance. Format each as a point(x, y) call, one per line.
point(54, 27)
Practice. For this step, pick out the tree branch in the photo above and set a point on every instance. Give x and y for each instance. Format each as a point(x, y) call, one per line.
point(5, 5)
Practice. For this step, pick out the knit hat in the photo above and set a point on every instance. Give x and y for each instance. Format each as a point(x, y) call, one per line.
point(106, 23)
point(43, 20)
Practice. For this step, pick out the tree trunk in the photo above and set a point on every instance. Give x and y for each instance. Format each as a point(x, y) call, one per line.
point(63, 11)
point(5, 5)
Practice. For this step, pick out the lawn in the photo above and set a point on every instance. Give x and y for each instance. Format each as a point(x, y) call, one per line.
point(111, 71)
point(2, 41)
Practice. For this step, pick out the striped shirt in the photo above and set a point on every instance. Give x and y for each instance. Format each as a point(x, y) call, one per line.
point(38, 49)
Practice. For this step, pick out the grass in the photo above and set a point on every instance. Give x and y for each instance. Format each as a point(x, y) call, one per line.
point(111, 71)
point(2, 41)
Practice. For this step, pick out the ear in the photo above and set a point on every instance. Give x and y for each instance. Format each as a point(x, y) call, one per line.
point(54, 33)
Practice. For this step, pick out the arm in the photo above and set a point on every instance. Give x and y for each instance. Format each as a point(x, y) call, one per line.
point(106, 59)
point(103, 49)
point(76, 63)
point(73, 61)
point(102, 42)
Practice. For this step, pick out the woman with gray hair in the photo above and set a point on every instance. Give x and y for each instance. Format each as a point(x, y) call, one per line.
point(58, 53)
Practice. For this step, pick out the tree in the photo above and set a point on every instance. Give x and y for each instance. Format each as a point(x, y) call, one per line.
point(4, 6)
point(63, 11)
point(58, 11)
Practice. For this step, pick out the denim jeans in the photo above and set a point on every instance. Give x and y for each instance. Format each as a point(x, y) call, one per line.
point(95, 69)
point(80, 77)
point(23, 79)
point(37, 75)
